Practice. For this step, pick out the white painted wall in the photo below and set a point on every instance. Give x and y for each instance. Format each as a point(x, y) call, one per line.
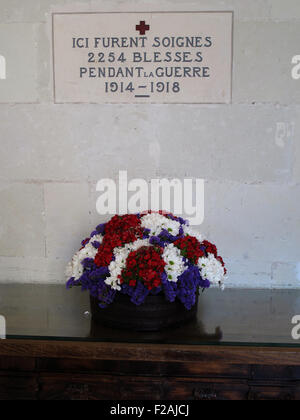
point(248, 152)
point(2, 67)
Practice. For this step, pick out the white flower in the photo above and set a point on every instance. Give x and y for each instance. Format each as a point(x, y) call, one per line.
point(116, 267)
point(139, 244)
point(212, 269)
point(113, 283)
point(97, 238)
point(75, 268)
point(189, 231)
point(175, 264)
point(156, 223)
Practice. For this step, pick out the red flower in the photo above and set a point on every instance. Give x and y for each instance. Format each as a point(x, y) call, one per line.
point(190, 248)
point(210, 248)
point(144, 265)
point(119, 231)
point(220, 259)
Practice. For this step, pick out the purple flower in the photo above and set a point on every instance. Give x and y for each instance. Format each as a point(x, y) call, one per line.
point(85, 242)
point(96, 244)
point(88, 264)
point(164, 238)
point(188, 286)
point(183, 222)
point(87, 284)
point(99, 275)
point(92, 280)
point(156, 240)
point(146, 233)
point(106, 295)
point(170, 288)
point(72, 283)
point(178, 219)
point(101, 229)
point(203, 248)
point(167, 237)
point(172, 217)
point(139, 295)
point(156, 291)
point(127, 290)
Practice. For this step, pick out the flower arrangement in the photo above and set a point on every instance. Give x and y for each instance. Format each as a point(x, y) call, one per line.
point(146, 254)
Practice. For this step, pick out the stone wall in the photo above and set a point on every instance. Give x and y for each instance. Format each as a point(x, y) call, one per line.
point(248, 152)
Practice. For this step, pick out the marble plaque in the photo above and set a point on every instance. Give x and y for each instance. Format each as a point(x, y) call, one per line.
point(142, 57)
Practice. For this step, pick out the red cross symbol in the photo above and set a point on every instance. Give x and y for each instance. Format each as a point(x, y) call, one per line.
point(142, 27)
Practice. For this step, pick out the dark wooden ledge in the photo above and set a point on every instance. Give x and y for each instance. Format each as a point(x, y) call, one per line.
point(150, 352)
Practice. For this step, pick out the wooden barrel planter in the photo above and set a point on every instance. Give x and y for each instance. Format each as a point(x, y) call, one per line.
point(154, 315)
